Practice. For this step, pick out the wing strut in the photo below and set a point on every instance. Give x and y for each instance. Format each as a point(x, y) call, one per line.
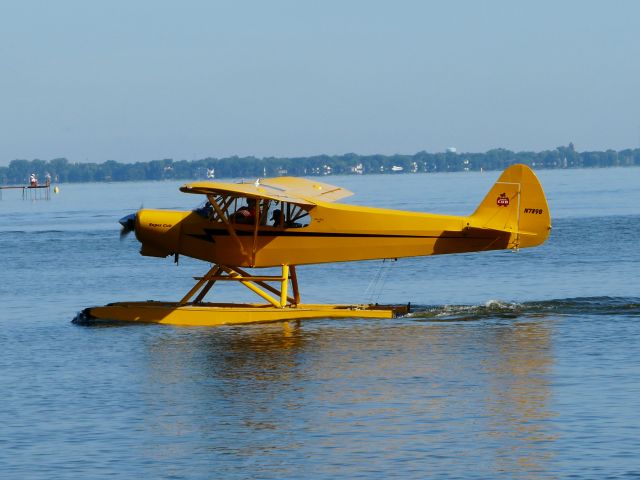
point(225, 220)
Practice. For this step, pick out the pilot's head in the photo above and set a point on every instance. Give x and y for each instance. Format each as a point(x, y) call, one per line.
point(276, 216)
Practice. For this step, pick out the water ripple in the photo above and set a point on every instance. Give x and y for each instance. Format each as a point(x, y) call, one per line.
point(501, 309)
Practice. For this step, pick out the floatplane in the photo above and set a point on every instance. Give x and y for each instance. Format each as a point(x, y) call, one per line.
point(288, 222)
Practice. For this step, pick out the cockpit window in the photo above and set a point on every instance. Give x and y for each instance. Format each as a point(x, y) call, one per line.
point(244, 210)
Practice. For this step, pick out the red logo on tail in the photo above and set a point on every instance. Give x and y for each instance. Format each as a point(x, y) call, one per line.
point(503, 200)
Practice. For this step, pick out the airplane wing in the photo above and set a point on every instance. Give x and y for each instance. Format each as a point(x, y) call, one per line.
point(283, 189)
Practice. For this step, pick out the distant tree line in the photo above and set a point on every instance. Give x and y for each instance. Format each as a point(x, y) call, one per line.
point(61, 170)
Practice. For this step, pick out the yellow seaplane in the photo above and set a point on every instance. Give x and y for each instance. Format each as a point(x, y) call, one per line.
point(287, 222)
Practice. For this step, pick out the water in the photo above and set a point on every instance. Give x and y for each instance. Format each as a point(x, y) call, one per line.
point(513, 365)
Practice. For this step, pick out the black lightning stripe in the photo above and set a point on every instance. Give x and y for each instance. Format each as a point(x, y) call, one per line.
point(210, 233)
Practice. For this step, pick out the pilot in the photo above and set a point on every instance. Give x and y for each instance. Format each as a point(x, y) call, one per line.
point(246, 214)
point(278, 220)
point(206, 211)
point(276, 217)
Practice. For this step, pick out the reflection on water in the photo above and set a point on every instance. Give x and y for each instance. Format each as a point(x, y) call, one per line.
point(519, 398)
point(358, 394)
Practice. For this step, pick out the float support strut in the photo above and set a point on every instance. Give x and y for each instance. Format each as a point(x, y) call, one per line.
point(257, 284)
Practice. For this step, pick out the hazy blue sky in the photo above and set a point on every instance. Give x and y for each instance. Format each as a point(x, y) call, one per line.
point(148, 79)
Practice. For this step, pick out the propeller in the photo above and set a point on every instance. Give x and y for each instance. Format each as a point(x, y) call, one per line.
point(128, 223)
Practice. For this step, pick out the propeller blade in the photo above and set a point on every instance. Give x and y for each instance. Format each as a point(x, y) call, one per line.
point(124, 233)
point(128, 225)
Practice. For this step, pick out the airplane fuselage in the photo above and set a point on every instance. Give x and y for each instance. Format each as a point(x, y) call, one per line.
point(336, 233)
point(514, 214)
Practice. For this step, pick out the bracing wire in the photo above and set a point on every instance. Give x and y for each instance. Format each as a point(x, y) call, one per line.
point(374, 290)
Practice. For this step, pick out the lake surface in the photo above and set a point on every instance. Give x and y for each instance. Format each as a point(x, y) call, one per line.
point(513, 365)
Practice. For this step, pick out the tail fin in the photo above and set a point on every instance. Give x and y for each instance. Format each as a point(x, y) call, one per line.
point(515, 204)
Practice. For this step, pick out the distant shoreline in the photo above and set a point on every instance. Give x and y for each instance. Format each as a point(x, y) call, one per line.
point(64, 171)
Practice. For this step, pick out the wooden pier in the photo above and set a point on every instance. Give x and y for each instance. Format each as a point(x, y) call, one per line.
point(37, 192)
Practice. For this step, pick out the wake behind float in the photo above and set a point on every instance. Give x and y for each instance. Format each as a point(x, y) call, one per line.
point(286, 222)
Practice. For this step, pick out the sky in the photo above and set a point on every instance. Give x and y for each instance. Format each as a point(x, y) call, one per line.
point(152, 79)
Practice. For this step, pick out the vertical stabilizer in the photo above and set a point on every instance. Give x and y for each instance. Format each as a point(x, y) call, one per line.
point(516, 203)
